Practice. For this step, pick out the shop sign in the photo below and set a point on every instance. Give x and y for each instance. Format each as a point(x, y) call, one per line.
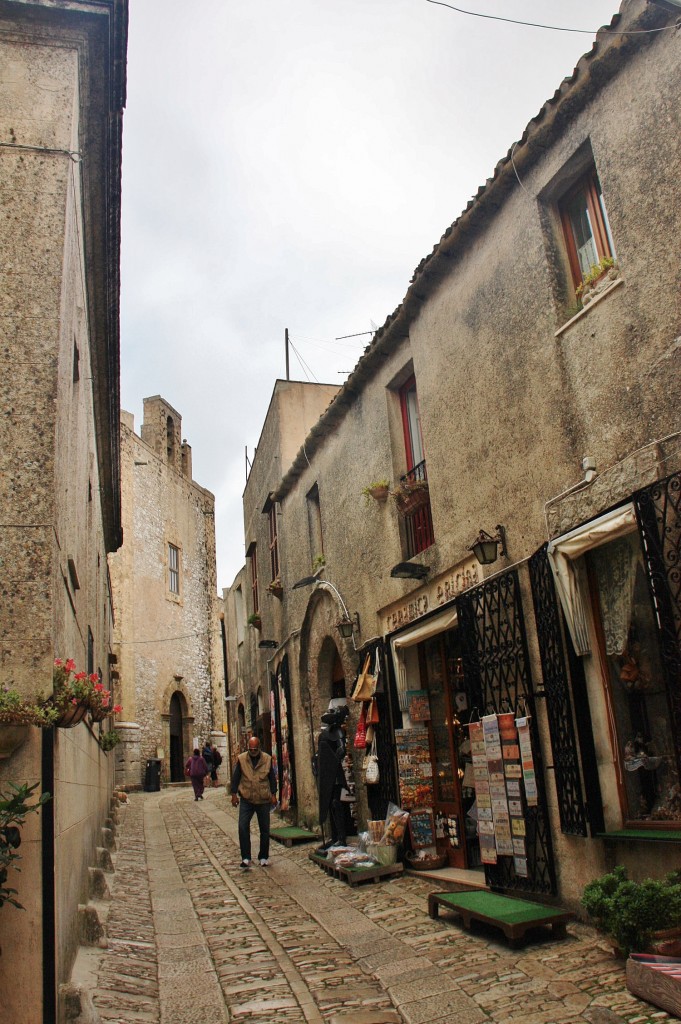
point(435, 594)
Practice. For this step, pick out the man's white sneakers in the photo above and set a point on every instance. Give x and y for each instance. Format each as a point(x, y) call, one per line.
point(264, 862)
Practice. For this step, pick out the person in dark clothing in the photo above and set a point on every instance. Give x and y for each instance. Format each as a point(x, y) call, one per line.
point(197, 769)
point(254, 781)
point(331, 777)
point(207, 755)
point(215, 764)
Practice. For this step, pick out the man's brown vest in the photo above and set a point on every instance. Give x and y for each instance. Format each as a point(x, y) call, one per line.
point(255, 785)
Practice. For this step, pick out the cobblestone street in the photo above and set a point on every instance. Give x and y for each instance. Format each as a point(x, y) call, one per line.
point(192, 938)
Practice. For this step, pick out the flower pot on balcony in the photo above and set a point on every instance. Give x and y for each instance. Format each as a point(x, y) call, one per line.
point(99, 714)
point(411, 496)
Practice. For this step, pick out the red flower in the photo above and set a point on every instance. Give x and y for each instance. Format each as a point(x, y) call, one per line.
point(98, 686)
point(118, 708)
point(70, 665)
point(73, 700)
point(58, 663)
point(94, 678)
point(80, 676)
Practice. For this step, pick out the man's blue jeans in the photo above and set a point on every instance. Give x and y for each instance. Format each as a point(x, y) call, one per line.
point(246, 812)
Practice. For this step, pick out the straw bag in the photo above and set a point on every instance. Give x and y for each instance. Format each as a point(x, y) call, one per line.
point(364, 687)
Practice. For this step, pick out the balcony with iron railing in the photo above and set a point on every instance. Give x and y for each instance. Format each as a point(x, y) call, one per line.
point(414, 508)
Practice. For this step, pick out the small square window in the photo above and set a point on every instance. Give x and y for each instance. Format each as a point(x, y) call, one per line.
point(585, 226)
point(173, 569)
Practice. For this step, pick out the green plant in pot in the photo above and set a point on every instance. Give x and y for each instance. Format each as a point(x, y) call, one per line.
point(110, 740)
point(254, 620)
point(631, 913)
point(378, 490)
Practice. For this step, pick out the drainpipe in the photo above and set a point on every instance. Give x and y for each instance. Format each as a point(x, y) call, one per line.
point(49, 950)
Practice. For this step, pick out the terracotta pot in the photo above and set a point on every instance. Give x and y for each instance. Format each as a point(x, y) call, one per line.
point(379, 493)
point(410, 501)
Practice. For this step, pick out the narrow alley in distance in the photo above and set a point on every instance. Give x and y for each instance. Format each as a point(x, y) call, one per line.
point(191, 938)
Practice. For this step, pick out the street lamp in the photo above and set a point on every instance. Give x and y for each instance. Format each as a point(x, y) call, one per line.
point(349, 623)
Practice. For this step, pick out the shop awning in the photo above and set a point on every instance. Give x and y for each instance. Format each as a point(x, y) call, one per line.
point(570, 575)
point(417, 634)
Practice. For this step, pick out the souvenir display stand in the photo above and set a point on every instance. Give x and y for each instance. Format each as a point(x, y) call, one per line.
point(353, 876)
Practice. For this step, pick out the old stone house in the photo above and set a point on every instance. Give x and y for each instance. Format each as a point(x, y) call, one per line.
point(62, 92)
point(256, 696)
point(520, 398)
point(167, 627)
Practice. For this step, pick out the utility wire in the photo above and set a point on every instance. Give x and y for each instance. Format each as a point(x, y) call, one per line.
point(551, 28)
point(306, 369)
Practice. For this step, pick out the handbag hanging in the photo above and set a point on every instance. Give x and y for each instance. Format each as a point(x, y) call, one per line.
point(372, 773)
point(364, 686)
point(372, 714)
point(361, 734)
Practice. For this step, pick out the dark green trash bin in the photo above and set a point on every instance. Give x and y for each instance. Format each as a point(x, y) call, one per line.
point(152, 776)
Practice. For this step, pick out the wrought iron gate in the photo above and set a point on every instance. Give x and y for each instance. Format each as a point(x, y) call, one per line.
point(658, 510)
point(494, 651)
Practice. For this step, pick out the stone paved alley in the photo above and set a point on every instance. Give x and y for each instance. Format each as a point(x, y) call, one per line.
point(192, 938)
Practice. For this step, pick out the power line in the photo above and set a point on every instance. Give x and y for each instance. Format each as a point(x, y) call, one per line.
point(551, 28)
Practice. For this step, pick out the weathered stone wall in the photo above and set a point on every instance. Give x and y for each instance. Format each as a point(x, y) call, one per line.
point(166, 643)
point(56, 490)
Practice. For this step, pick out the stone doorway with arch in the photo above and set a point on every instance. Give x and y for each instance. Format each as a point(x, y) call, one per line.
point(178, 721)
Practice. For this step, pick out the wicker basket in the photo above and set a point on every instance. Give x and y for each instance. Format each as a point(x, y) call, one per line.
point(426, 863)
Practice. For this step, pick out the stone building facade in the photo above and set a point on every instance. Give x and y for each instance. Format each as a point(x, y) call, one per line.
point(512, 394)
point(62, 92)
point(167, 626)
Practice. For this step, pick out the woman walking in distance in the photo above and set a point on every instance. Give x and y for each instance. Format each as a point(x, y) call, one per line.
point(196, 769)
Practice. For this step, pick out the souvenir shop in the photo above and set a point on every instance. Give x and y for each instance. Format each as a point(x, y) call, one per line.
point(466, 747)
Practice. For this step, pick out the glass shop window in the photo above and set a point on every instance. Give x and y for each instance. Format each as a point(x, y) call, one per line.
point(635, 682)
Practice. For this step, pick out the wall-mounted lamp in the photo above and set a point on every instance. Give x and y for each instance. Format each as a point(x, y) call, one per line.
point(348, 624)
point(485, 547)
point(409, 571)
point(347, 627)
point(268, 644)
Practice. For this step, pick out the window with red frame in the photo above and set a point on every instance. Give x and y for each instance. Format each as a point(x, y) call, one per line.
point(418, 527)
point(585, 226)
point(252, 558)
point(274, 541)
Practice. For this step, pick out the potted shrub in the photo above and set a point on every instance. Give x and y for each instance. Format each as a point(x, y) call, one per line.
point(378, 490)
point(410, 496)
point(318, 563)
point(630, 913)
point(275, 587)
point(254, 620)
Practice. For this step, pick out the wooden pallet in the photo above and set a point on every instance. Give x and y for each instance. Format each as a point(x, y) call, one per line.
point(353, 876)
point(513, 916)
point(287, 836)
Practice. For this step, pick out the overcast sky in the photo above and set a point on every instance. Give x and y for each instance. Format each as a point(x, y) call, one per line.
point(287, 163)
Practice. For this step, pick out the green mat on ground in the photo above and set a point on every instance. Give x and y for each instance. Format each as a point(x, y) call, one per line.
point(501, 908)
point(291, 832)
point(642, 833)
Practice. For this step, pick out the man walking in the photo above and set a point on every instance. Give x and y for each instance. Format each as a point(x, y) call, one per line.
point(254, 781)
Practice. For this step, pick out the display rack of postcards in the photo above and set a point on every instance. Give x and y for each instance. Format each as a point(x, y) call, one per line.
point(414, 767)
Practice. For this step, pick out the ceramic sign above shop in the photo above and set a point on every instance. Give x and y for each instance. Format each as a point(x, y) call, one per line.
point(432, 595)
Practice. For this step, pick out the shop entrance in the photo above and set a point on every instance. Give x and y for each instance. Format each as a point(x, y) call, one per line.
point(449, 705)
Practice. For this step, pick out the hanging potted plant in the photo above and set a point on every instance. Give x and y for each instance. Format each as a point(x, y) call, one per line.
point(378, 490)
point(14, 806)
point(410, 496)
point(254, 620)
point(110, 740)
point(76, 694)
point(275, 588)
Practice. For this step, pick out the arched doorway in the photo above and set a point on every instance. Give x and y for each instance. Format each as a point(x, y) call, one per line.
point(177, 756)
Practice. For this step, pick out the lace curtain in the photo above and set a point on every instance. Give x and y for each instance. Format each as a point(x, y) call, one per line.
point(615, 567)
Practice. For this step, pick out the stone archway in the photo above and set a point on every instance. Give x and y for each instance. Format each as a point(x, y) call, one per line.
point(178, 724)
point(176, 745)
